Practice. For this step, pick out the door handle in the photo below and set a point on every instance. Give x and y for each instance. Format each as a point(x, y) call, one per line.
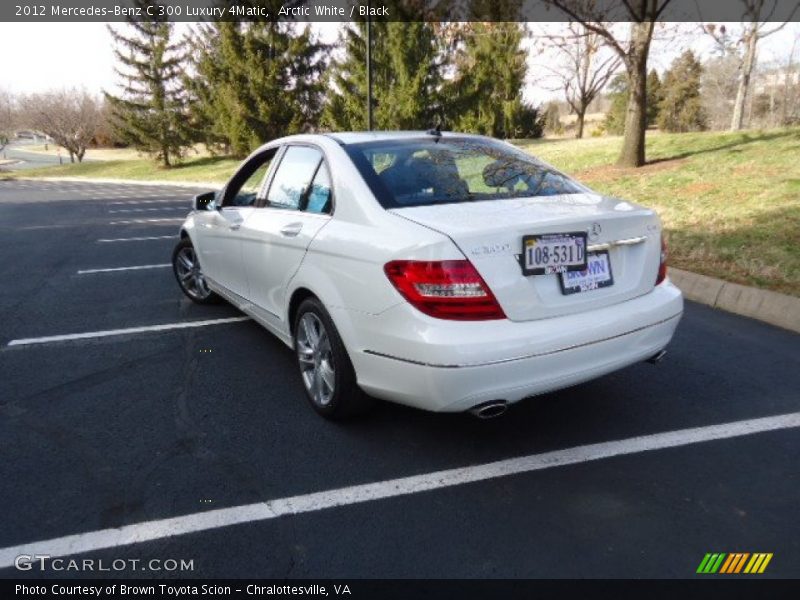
point(235, 226)
point(291, 230)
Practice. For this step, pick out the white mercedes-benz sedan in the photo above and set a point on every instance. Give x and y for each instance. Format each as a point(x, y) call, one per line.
point(443, 271)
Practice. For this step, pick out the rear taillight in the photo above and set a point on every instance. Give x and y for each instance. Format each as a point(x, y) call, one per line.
point(662, 265)
point(446, 289)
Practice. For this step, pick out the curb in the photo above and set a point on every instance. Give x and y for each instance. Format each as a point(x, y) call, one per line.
point(781, 310)
point(191, 184)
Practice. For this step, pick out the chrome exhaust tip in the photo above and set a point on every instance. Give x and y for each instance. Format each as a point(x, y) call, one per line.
point(656, 358)
point(489, 410)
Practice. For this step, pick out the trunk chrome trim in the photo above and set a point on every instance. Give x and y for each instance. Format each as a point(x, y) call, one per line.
point(525, 357)
point(626, 242)
point(608, 245)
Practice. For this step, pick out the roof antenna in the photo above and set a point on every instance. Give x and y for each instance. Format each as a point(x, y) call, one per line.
point(437, 129)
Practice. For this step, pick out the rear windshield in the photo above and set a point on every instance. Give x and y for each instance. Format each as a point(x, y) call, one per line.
point(437, 170)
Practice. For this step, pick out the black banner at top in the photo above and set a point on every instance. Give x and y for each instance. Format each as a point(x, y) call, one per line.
point(775, 11)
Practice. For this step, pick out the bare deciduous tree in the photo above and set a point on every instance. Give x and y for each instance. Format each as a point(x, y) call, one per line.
point(790, 96)
point(7, 117)
point(70, 117)
point(633, 50)
point(757, 25)
point(719, 89)
point(583, 72)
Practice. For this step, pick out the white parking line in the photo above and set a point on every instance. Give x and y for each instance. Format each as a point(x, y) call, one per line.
point(138, 239)
point(133, 221)
point(134, 268)
point(127, 331)
point(261, 511)
point(141, 210)
point(149, 201)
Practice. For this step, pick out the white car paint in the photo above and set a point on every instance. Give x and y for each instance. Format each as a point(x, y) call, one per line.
point(548, 340)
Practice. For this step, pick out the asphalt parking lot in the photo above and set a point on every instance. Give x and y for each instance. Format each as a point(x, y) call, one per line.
point(135, 429)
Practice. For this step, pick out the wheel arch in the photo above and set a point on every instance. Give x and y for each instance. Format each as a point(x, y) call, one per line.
point(298, 296)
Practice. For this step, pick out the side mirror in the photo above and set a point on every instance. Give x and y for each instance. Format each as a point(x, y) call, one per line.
point(204, 201)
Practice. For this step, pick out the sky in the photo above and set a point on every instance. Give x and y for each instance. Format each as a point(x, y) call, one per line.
point(42, 56)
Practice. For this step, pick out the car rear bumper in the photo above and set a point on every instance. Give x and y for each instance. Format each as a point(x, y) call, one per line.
point(404, 356)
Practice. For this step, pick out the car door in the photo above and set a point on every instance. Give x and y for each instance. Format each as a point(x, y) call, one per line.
point(220, 244)
point(275, 237)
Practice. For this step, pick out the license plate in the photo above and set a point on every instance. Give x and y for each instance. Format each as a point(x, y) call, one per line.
point(553, 253)
point(596, 275)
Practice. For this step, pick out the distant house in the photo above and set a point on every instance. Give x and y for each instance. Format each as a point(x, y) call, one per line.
point(776, 78)
point(27, 134)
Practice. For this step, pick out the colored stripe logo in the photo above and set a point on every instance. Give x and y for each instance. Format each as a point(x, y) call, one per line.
point(734, 563)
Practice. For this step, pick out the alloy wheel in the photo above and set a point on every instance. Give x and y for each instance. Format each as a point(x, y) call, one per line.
point(316, 359)
point(190, 276)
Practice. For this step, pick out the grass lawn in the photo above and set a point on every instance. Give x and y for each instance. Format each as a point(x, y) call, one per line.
point(105, 154)
point(730, 202)
point(210, 169)
point(91, 153)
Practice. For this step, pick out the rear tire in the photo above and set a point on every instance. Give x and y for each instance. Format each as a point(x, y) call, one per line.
point(189, 274)
point(325, 368)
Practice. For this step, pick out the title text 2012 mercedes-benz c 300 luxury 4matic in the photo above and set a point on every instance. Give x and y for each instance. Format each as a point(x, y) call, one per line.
point(444, 271)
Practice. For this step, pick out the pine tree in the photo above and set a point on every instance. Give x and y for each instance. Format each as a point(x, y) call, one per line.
point(485, 95)
point(307, 62)
point(345, 108)
point(253, 82)
point(618, 93)
point(406, 77)
point(681, 108)
point(653, 97)
point(206, 71)
point(150, 112)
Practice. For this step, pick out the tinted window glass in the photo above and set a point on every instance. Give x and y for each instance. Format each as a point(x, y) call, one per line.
point(253, 176)
point(294, 174)
point(319, 196)
point(426, 171)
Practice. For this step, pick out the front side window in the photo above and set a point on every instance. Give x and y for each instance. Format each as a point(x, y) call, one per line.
point(291, 182)
point(244, 190)
point(419, 172)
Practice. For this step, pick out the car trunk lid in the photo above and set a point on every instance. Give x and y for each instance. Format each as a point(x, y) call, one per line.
point(490, 233)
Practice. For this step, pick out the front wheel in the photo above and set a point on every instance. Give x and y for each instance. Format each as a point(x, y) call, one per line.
point(189, 274)
point(325, 368)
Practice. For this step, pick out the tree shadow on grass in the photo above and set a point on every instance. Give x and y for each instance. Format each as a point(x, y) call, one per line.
point(538, 141)
point(204, 161)
point(746, 138)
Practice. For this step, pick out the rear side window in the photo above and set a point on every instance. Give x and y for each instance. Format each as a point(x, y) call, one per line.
point(432, 170)
point(292, 179)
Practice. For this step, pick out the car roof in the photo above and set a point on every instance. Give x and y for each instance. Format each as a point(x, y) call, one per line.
point(357, 137)
point(344, 138)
